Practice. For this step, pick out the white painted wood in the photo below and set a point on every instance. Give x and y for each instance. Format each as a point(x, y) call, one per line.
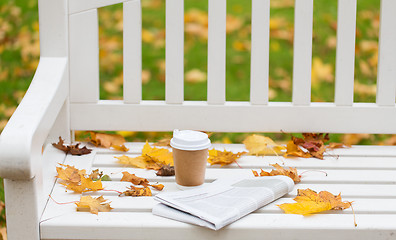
point(132, 51)
point(302, 53)
point(76, 6)
point(53, 24)
point(174, 52)
point(84, 56)
point(217, 51)
point(386, 80)
point(275, 117)
point(345, 56)
point(22, 139)
point(259, 65)
point(273, 226)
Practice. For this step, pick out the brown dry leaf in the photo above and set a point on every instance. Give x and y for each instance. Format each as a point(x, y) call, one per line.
point(279, 170)
point(309, 202)
point(108, 140)
point(260, 145)
point(76, 180)
point(166, 170)
point(72, 149)
point(94, 205)
point(137, 192)
point(223, 157)
point(128, 177)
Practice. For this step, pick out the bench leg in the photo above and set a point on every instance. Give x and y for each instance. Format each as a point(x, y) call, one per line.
point(23, 209)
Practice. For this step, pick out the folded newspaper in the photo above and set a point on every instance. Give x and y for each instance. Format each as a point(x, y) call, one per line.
point(222, 202)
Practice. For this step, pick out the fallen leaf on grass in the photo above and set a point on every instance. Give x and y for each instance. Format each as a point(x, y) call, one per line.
point(260, 145)
point(76, 180)
point(137, 192)
point(166, 170)
point(72, 149)
point(223, 157)
point(106, 140)
point(94, 205)
point(309, 202)
point(279, 170)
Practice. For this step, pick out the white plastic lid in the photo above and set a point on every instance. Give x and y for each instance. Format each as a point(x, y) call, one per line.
point(189, 140)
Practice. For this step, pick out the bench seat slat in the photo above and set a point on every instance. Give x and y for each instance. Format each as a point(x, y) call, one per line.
point(125, 225)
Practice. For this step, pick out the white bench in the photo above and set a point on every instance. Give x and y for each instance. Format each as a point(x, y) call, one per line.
point(64, 97)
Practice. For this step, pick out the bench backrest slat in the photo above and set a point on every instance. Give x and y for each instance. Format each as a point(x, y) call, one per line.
point(84, 57)
point(302, 53)
point(132, 52)
point(345, 55)
point(174, 53)
point(84, 74)
point(259, 67)
point(386, 78)
point(217, 51)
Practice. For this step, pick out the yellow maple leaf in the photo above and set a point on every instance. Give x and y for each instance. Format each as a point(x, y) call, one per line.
point(76, 180)
point(260, 145)
point(309, 202)
point(139, 162)
point(159, 155)
point(295, 151)
point(94, 205)
point(223, 157)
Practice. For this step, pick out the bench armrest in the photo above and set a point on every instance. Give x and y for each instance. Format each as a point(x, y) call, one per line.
point(22, 139)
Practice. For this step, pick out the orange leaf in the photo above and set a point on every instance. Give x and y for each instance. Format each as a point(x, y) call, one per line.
point(94, 205)
point(108, 140)
point(292, 150)
point(223, 157)
point(137, 192)
point(76, 180)
point(309, 202)
point(279, 170)
point(127, 177)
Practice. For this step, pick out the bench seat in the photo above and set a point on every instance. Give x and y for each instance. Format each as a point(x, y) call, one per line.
point(365, 175)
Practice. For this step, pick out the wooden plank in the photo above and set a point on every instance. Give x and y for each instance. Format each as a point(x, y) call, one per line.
point(386, 81)
point(76, 6)
point(348, 176)
point(274, 117)
point(345, 56)
point(217, 51)
point(174, 52)
point(132, 39)
point(302, 53)
point(273, 226)
point(84, 57)
point(259, 65)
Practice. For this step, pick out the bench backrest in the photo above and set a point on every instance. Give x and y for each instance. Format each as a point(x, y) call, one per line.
point(88, 112)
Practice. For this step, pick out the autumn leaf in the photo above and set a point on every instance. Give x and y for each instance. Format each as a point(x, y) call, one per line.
point(139, 162)
point(163, 142)
point(72, 149)
point(279, 170)
point(309, 202)
point(223, 157)
point(195, 76)
point(94, 205)
point(260, 145)
point(96, 175)
point(292, 150)
point(106, 140)
point(166, 170)
point(137, 192)
point(76, 180)
point(128, 177)
point(158, 155)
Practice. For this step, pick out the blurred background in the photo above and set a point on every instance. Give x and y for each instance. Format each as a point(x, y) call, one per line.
point(19, 56)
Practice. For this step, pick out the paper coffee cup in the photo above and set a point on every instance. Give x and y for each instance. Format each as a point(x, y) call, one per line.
point(190, 154)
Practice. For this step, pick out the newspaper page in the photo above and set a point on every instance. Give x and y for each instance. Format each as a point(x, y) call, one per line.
point(222, 202)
